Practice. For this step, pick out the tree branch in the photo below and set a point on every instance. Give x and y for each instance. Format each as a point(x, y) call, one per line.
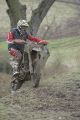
point(39, 14)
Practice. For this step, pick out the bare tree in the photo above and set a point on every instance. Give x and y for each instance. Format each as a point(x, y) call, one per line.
point(17, 11)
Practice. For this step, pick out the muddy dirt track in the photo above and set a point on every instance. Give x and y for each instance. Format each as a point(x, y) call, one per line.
point(59, 101)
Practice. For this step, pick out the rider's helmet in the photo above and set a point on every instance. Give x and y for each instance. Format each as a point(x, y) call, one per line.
point(22, 25)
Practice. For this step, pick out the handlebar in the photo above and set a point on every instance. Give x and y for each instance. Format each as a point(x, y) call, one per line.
point(34, 43)
point(34, 46)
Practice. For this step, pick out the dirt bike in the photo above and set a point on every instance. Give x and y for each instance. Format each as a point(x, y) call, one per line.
point(32, 59)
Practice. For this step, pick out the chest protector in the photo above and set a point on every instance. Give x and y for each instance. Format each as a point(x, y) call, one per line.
point(17, 35)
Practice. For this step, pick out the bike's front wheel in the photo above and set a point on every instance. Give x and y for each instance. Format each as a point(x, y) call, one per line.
point(36, 80)
point(36, 73)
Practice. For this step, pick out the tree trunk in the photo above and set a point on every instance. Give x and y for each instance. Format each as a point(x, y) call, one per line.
point(39, 14)
point(16, 11)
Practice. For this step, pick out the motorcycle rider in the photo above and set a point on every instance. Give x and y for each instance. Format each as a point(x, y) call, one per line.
point(16, 39)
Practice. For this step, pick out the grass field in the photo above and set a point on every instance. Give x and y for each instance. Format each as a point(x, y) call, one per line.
point(58, 94)
point(65, 50)
point(64, 57)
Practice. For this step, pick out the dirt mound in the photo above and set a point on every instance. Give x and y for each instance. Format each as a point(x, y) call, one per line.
point(57, 101)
